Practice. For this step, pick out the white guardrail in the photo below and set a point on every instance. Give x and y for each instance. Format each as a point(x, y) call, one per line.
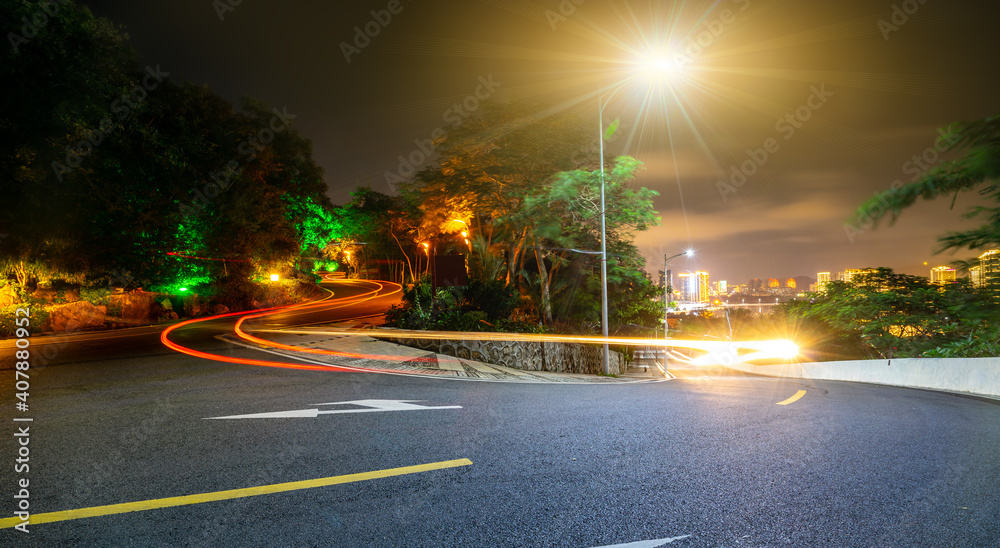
point(979, 376)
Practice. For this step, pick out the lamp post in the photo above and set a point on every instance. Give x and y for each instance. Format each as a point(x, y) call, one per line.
point(656, 65)
point(605, 355)
point(667, 287)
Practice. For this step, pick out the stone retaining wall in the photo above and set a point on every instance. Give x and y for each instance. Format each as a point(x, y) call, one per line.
point(527, 356)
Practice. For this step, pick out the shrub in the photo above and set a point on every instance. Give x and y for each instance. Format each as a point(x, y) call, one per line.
point(480, 306)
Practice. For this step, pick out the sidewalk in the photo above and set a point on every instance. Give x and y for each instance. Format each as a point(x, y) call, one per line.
point(381, 356)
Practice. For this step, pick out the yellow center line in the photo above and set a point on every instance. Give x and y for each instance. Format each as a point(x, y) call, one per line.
point(798, 395)
point(122, 508)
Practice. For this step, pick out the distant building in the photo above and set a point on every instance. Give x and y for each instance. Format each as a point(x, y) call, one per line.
point(942, 275)
point(852, 273)
point(976, 275)
point(822, 278)
point(723, 287)
point(773, 283)
point(989, 273)
point(791, 283)
point(694, 286)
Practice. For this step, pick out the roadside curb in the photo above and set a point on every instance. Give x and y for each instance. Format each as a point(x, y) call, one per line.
point(343, 352)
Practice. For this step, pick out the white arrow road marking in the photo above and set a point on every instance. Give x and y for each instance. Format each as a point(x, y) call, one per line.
point(645, 543)
point(370, 406)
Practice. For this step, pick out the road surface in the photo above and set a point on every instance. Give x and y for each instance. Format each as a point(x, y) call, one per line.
point(709, 459)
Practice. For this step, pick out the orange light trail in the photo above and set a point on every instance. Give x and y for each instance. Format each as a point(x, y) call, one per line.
point(715, 351)
point(164, 336)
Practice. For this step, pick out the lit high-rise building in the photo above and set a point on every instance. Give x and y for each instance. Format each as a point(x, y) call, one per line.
point(694, 286)
point(942, 275)
point(989, 270)
point(723, 287)
point(976, 275)
point(852, 273)
point(822, 278)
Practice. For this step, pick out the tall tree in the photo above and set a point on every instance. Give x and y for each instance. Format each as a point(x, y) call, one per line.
point(62, 73)
point(379, 227)
point(977, 170)
point(118, 168)
point(489, 166)
point(563, 221)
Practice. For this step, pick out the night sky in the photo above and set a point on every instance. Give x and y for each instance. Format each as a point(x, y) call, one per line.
point(869, 96)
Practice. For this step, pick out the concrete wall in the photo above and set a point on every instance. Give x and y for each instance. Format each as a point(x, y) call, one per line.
point(527, 356)
point(970, 375)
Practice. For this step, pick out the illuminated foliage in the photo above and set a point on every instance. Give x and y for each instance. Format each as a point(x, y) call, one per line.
point(315, 224)
point(382, 230)
point(891, 314)
point(527, 187)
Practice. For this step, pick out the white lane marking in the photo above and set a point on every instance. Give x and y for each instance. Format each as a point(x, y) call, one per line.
point(645, 543)
point(370, 406)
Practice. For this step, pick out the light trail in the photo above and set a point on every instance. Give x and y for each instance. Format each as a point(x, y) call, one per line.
point(164, 336)
point(715, 352)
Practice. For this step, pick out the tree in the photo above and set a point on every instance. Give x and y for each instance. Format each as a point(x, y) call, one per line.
point(523, 178)
point(119, 171)
point(977, 170)
point(889, 314)
point(563, 218)
point(60, 88)
point(379, 227)
point(488, 167)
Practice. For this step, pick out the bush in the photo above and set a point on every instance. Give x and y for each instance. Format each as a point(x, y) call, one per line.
point(8, 316)
point(95, 295)
point(237, 292)
point(480, 306)
point(984, 344)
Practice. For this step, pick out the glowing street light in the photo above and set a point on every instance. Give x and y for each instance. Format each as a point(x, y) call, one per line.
point(274, 277)
point(660, 66)
point(653, 66)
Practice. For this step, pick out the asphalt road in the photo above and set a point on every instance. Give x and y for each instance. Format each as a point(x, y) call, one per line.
point(707, 460)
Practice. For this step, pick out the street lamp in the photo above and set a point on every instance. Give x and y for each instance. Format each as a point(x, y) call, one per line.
point(667, 286)
point(652, 66)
